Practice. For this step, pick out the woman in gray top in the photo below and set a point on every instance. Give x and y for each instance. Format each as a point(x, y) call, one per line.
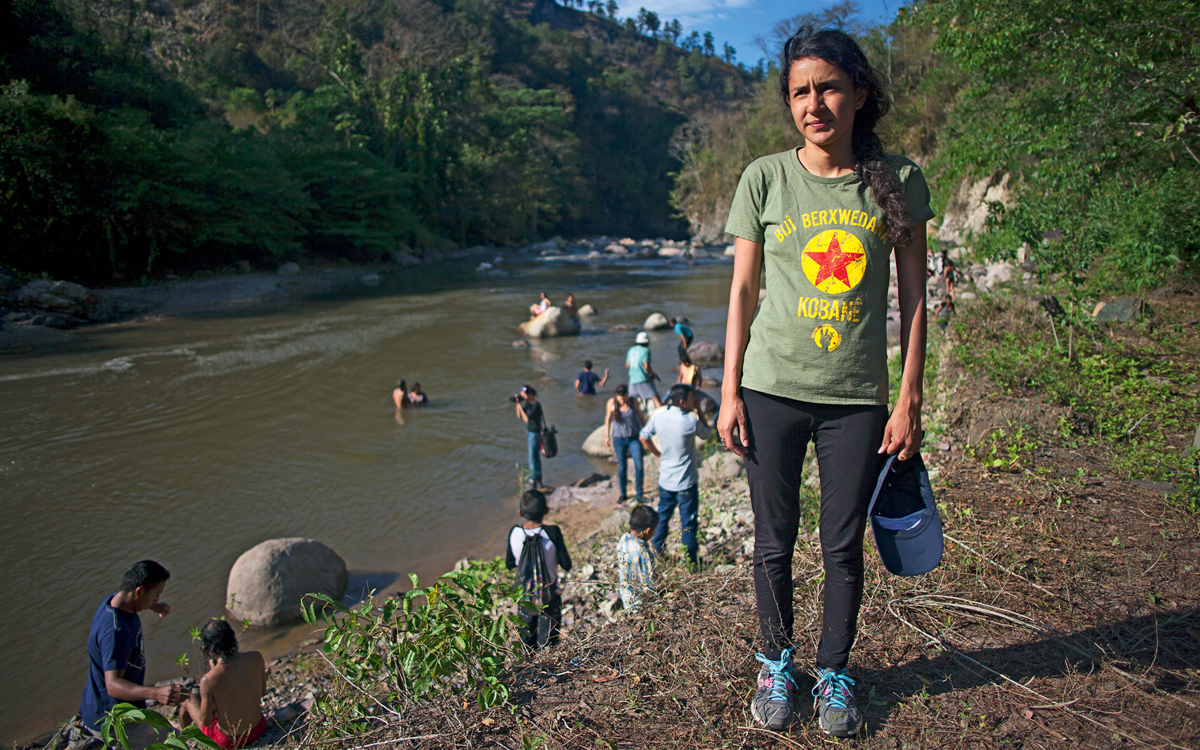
point(623, 420)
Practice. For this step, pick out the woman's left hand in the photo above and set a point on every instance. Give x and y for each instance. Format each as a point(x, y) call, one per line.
point(903, 433)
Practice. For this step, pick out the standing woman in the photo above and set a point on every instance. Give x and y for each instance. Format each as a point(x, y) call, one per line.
point(823, 221)
point(623, 420)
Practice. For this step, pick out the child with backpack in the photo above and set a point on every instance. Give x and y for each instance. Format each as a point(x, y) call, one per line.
point(537, 551)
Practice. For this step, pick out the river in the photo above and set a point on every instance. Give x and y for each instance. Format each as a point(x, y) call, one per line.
point(191, 439)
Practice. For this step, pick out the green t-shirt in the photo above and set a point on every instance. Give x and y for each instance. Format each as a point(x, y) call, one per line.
point(821, 333)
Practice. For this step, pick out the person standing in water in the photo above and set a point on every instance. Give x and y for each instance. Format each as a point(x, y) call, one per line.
point(822, 221)
point(587, 381)
point(641, 374)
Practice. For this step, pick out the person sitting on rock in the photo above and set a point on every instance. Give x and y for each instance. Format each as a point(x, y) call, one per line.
point(635, 563)
point(539, 307)
point(418, 397)
point(116, 657)
point(400, 395)
point(587, 381)
point(571, 311)
point(229, 709)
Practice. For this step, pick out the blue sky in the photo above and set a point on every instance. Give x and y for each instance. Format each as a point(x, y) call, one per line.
point(739, 21)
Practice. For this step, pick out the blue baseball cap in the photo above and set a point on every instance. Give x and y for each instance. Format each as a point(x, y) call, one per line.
point(904, 518)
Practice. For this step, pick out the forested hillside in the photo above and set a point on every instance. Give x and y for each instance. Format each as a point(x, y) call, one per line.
point(1090, 107)
point(144, 136)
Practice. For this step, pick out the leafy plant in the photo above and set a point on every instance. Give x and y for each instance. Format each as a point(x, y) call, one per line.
point(116, 723)
point(450, 637)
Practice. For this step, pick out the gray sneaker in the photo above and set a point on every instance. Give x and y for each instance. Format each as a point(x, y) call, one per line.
point(773, 700)
point(834, 704)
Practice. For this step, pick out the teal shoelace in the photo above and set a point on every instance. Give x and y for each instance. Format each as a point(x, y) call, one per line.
point(838, 684)
point(778, 674)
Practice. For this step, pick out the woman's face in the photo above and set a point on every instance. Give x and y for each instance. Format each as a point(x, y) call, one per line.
point(823, 101)
point(622, 399)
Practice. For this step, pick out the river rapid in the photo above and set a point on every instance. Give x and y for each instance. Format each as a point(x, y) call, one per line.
point(191, 439)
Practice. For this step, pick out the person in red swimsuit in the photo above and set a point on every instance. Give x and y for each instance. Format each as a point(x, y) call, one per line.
point(229, 709)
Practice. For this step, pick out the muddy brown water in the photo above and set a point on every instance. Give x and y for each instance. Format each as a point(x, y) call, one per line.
point(189, 440)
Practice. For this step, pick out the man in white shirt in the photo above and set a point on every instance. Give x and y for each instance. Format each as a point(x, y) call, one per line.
point(677, 427)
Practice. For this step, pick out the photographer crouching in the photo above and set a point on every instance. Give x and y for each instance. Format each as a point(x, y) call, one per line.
point(529, 410)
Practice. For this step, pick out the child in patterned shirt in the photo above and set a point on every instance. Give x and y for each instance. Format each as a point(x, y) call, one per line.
point(635, 563)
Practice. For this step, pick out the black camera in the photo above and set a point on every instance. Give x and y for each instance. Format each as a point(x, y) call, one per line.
point(514, 399)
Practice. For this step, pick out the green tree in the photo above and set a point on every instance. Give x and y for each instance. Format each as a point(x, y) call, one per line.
point(1093, 105)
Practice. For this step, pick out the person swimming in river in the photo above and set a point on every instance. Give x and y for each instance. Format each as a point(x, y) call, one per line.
point(418, 397)
point(400, 395)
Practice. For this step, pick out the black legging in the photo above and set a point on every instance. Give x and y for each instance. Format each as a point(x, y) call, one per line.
point(847, 438)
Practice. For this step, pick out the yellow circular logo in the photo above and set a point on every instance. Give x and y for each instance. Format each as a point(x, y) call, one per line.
point(834, 261)
point(826, 337)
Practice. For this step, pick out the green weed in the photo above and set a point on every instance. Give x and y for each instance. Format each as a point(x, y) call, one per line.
point(449, 637)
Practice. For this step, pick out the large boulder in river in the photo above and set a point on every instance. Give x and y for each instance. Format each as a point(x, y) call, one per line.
point(268, 582)
point(706, 353)
point(587, 311)
point(553, 322)
point(57, 296)
point(656, 322)
point(594, 445)
point(288, 269)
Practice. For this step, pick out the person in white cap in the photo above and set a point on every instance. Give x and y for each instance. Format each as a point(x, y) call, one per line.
point(641, 374)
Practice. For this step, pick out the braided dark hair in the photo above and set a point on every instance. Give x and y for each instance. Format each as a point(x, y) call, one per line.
point(870, 164)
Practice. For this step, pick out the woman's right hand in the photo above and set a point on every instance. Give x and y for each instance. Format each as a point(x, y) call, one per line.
point(733, 415)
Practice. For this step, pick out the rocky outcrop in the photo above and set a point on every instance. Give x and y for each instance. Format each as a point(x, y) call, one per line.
point(288, 269)
point(967, 211)
point(720, 467)
point(1123, 310)
point(405, 259)
point(57, 296)
point(56, 304)
point(706, 353)
point(268, 582)
point(656, 322)
point(553, 322)
point(587, 311)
